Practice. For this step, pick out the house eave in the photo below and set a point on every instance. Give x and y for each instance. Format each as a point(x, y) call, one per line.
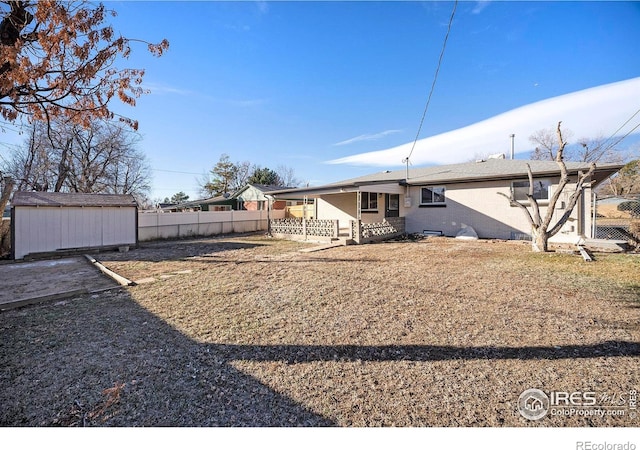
point(314, 192)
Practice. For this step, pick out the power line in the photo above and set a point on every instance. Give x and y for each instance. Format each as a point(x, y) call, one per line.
point(620, 140)
point(433, 84)
point(176, 171)
point(620, 128)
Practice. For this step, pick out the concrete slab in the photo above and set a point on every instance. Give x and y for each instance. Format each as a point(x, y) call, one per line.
point(24, 283)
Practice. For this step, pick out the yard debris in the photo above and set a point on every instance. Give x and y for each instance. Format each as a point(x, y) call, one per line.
point(585, 254)
point(110, 273)
point(113, 397)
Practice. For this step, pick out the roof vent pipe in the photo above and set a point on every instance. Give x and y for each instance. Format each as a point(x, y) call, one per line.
point(512, 136)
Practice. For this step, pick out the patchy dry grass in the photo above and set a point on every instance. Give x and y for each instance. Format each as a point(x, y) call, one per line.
point(248, 331)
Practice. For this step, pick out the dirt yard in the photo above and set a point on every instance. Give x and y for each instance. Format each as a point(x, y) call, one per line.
point(248, 331)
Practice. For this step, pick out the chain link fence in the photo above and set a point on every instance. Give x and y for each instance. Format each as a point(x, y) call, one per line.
point(618, 218)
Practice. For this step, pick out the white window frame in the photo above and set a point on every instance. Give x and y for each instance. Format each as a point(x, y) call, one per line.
point(525, 187)
point(434, 201)
point(367, 206)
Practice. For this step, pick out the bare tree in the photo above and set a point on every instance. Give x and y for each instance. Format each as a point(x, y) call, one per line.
point(585, 150)
point(546, 144)
point(541, 228)
point(598, 150)
point(62, 156)
point(287, 176)
point(32, 165)
point(244, 170)
point(626, 181)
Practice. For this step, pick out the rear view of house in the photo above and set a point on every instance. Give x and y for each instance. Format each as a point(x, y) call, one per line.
point(451, 199)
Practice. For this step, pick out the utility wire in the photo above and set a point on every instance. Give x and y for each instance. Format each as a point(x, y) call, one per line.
point(620, 140)
point(433, 84)
point(176, 171)
point(620, 128)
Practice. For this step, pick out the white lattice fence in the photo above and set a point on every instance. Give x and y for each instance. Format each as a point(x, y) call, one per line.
point(318, 227)
point(389, 227)
point(287, 226)
point(301, 227)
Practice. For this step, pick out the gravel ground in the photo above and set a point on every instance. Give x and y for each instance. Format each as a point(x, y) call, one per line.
point(247, 331)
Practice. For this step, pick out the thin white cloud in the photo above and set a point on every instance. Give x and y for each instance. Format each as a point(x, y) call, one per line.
point(368, 137)
point(157, 88)
point(589, 113)
point(480, 6)
point(263, 6)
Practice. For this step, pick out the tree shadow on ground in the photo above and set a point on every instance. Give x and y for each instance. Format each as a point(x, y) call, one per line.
point(108, 361)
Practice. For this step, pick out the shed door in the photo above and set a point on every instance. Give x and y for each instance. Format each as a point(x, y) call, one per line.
point(392, 205)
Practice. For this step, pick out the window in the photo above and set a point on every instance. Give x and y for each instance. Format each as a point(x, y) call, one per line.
point(540, 190)
point(368, 201)
point(433, 195)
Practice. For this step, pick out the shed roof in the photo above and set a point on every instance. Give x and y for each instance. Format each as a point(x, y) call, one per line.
point(57, 199)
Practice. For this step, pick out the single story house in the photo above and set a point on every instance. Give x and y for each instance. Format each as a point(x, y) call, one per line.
point(47, 222)
point(446, 200)
point(252, 197)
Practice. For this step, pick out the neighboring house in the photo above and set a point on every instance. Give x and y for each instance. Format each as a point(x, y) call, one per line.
point(219, 203)
point(255, 197)
point(45, 222)
point(448, 199)
point(252, 197)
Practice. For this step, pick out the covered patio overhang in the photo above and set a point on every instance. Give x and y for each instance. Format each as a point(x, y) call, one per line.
point(318, 192)
point(340, 213)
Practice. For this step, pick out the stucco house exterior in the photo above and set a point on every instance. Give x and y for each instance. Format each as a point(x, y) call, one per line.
point(448, 199)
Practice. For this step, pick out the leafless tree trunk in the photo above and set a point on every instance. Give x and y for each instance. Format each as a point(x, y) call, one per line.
point(7, 189)
point(541, 229)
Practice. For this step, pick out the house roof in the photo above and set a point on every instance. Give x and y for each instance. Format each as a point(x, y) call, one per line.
point(57, 199)
point(266, 187)
point(492, 169)
point(225, 200)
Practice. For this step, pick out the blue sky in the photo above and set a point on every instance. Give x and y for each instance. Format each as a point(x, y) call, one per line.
point(304, 83)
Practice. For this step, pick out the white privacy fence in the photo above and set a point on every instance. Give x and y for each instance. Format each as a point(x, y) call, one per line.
point(155, 225)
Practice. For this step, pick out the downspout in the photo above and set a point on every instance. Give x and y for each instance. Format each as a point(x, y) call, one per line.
point(594, 214)
point(269, 198)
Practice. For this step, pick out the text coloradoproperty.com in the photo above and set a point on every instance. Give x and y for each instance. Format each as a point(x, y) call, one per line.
point(586, 412)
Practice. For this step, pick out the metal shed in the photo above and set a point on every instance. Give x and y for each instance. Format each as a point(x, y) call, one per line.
point(44, 222)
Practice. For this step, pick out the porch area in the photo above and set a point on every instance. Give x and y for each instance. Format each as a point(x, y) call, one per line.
point(326, 231)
